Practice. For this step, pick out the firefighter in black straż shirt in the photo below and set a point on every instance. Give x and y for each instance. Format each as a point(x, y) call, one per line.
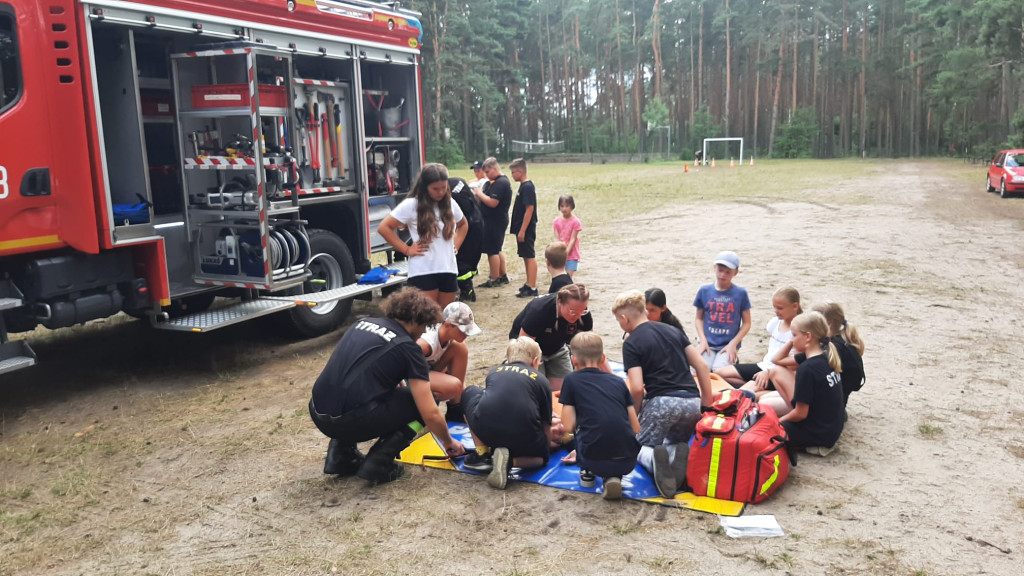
point(361, 395)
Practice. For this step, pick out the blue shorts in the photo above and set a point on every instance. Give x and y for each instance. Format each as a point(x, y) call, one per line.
point(573, 265)
point(442, 282)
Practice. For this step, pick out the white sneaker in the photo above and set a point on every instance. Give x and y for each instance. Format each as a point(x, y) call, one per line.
point(612, 489)
point(819, 450)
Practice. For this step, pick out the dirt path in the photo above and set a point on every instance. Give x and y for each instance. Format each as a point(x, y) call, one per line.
point(151, 453)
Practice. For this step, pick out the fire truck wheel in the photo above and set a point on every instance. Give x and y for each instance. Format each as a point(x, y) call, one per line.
point(331, 267)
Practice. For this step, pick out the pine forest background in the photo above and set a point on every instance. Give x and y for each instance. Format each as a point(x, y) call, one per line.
point(821, 79)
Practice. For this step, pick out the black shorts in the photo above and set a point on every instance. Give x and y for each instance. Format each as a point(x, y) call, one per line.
point(496, 435)
point(442, 282)
point(526, 249)
point(494, 236)
point(747, 372)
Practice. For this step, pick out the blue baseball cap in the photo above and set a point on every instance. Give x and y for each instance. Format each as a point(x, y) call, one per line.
point(728, 259)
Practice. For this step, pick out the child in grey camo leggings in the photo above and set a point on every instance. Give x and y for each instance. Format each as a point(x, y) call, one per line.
point(657, 358)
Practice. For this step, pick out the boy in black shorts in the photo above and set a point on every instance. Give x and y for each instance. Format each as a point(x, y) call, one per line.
point(524, 226)
point(597, 405)
point(511, 414)
point(495, 199)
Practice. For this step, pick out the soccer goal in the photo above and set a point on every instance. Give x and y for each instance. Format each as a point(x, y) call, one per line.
point(522, 147)
point(712, 140)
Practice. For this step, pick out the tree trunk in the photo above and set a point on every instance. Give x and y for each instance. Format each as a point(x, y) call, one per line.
point(728, 72)
point(656, 48)
point(778, 92)
point(864, 85)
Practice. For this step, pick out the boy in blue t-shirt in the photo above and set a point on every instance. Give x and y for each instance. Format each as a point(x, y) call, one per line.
point(598, 407)
point(723, 314)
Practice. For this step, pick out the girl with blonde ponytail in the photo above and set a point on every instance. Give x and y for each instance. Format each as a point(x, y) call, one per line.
point(847, 341)
point(812, 410)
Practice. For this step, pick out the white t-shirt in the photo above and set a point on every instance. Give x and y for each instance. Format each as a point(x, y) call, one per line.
point(478, 183)
point(432, 338)
point(778, 339)
point(440, 255)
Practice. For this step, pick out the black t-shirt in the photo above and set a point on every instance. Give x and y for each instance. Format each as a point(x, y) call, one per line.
point(464, 198)
point(853, 365)
point(373, 357)
point(559, 282)
point(540, 320)
point(821, 388)
point(659, 349)
point(601, 400)
point(516, 400)
point(501, 189)
point(527, 197)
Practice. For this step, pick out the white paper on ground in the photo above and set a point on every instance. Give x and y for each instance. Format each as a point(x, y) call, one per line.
point(757, 526)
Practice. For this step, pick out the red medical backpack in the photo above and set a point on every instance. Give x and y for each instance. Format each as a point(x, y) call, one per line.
point(738, 451)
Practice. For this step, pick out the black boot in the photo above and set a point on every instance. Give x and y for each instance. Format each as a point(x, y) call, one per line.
point(454, 413)
point(380, 466)
point(342, 459)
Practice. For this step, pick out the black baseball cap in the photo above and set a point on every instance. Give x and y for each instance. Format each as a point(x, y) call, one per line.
point(478, 165)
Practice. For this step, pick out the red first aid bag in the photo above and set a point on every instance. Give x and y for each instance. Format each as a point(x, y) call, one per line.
point(739, 453)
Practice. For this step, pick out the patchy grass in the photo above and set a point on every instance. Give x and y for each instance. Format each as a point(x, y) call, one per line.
point(929, 430)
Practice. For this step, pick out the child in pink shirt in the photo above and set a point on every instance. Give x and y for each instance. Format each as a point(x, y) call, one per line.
point(567, 229)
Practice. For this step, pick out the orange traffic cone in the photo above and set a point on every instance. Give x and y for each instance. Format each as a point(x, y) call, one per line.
point(686, 168)
point(751, 160)
point(732, 162)
point(712, 162)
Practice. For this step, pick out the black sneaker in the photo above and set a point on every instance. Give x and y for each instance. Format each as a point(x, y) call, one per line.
point(504, 279)
point(664, 477)
point(498, 478)
point(491, 283)
point(527, 292)
point(478, 462)
point(612, 489)
point(467, 296)
point(587, 479)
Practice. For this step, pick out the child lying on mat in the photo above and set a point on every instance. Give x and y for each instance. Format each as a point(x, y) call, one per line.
point(511, 415)
point(597, 405)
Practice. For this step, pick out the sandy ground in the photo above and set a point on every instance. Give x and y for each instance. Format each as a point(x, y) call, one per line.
point(154, 453)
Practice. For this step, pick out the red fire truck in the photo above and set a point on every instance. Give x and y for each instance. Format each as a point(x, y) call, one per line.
point(199, 163)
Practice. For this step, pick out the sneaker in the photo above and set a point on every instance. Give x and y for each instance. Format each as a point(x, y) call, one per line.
point(587, 479)
point(498, 478)
point(491, 283)
point(664, 478)
point(612, 489)
point(467, 296)
point(504, 279)
point(679, 464)
point(527, 292)
point(819, 450)
point(478, 462)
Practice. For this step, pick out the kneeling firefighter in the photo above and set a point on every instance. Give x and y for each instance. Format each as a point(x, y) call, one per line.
point(362, 392)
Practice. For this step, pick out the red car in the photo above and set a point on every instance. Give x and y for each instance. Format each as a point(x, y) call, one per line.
point(1007, 172)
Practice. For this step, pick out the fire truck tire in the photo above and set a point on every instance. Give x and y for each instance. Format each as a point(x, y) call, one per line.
point(331, 267)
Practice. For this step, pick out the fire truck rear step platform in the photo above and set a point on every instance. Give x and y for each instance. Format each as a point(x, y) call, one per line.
point(235, 313)
point(14, 354)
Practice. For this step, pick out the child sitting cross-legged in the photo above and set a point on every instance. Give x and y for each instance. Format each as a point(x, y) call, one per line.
point(511, 415)
point(597, 405)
